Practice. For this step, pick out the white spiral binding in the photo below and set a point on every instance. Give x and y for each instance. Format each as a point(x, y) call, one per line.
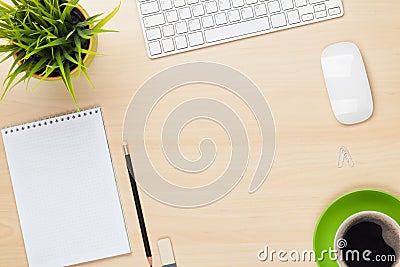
point(60, 118)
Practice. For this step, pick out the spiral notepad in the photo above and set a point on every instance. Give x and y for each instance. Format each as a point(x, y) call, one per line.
point(65, 189)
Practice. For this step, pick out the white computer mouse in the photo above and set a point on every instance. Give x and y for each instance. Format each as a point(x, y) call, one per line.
point(347, 83)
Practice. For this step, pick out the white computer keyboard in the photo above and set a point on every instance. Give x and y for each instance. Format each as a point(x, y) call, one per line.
point(174, 26)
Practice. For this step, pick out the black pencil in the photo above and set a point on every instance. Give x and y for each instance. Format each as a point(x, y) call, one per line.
point(139, 211)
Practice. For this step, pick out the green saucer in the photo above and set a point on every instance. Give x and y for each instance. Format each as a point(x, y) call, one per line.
point(344, 207)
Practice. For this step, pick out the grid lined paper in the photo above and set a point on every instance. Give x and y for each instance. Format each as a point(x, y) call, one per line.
point(65, 188)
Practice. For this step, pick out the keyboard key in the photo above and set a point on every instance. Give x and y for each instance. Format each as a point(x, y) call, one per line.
point(237, 3)
point(274, 7)
point(194, 25)
point(260, 10)
point(224, 5)
point(278, 20)
point(168, 30)
point(198, 10)
point(287, 4)
point(307, 17)
point(172, 16)
point(320, 14)
point(300, 3)
point(320, 7)
point(155, 48)
point(316, 1)
point(238, 29)
point(155, 20)
point(184, 13)
point(334, 11)
point(208, 22)
point(233, 15)
point(196, 38)
point(168, 45)
point(211, 7)
point(165, 4)
point(250, 2)
point(247, 12)
point(149, 7)
point(179, 3)
point(181, 27)
point(220, 19)
point(293, 16)
point(181, 42)
point(153, 34)
point(191, 2)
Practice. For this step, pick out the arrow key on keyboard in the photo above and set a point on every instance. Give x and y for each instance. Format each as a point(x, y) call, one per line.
point(307, 17)
point(321, 14)
point(334, 11)
point(319, 7)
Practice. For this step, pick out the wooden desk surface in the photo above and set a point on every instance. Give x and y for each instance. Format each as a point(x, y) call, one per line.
point(304, 178)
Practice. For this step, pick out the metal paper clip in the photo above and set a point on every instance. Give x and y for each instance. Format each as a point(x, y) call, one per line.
point(344, 155)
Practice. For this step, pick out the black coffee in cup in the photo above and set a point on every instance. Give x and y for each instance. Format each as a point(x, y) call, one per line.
point(368, 239)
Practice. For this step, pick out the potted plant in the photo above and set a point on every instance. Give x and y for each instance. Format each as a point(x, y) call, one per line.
point(48, 40)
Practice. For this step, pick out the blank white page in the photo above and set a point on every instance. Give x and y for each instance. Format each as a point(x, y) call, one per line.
point(65, 188)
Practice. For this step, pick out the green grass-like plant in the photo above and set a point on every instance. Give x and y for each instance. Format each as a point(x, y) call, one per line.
point(47, 38)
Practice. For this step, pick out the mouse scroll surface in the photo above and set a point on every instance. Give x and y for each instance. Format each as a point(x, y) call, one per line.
point(347, 83)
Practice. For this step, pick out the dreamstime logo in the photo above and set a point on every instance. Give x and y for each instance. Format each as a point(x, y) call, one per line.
point(342, 243)
point(331, 254)
point(204, 108)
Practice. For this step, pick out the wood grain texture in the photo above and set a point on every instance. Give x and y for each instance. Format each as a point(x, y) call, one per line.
point(304, 178)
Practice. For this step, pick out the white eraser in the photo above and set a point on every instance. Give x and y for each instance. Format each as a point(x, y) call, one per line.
point(166, 253)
